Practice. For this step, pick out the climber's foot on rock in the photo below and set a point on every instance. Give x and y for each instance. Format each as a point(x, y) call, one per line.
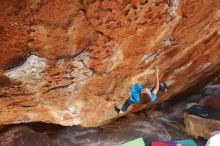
point(163, 87)
point(117, 110)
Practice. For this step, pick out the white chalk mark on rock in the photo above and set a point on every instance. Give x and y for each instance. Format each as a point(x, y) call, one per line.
point(183, 67)
point(170, 82)
point(33, 66)
point(30, 73)
point(203, 66)
point(148, 58)
point(167, 42)
point(173, 8)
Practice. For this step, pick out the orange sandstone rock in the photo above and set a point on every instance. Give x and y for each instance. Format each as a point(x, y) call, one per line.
point(71, 61)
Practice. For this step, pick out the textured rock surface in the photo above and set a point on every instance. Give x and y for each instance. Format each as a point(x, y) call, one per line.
point(19, 136)
point(165, 122)
point(165, 126)
point(212, 102)
point(67, 62)
point(200, 127)
point(211, 95)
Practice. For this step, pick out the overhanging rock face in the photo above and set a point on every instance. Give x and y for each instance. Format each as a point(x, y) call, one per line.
point(68, 62)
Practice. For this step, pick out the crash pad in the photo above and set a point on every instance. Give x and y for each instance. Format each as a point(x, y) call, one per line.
point(136, 142)
point(187, 142)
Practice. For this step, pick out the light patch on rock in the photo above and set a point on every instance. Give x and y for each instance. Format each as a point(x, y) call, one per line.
point(212, 90)
point(183, 67)
point(73, 119)
point(57, 115)
point(79, 72)
point(148, 58)
point(71, 110)
point(30, 73)
point(170, 82)
point(32, 116)
point(173, 9)
point(19, 120)
point(203, 66)
point(72, 89)
point(34, 65)
point(78, 64)
point(39, 34)
point(67, 117)
point(73, 107)
point(84, 57)
point(60, 63)
point(115, 59)
point(167, 42)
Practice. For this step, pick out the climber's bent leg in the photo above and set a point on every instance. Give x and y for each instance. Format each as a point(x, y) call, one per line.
point(125, 106)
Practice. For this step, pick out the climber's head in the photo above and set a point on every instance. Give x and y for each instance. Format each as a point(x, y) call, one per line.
point(144, 91)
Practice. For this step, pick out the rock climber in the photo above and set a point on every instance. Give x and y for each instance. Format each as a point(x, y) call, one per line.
point(137, 90)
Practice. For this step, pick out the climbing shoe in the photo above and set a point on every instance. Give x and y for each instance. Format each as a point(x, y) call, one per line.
point(163, 87)
point(117, 109)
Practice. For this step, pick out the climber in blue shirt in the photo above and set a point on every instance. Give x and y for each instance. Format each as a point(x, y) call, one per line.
point(137, 90)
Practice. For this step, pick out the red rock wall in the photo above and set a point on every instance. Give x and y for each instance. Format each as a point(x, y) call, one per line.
point(80, 55)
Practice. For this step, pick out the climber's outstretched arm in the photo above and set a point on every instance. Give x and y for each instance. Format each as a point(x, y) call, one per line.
point(135, 78)
point(156, 84)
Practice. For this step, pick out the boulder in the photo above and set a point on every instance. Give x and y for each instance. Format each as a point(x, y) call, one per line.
point(70, 62)
point(212, 102)
point(200, 127)
point(213, 90)
point(200, 120)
